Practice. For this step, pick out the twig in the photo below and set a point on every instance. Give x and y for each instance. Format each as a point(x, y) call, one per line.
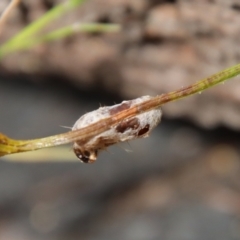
point(57, 34)
point(114, 120)
point(6, 13)
point(29, 33)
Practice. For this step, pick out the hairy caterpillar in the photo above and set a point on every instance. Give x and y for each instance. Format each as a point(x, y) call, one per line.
point(138, 126)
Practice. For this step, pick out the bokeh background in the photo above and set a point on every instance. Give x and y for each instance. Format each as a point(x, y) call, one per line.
point(181, 183)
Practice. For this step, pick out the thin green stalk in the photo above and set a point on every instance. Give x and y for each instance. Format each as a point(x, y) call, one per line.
point(59, 34)
point(9, 146)
point(201, 85)
point(84, 27)
point(31, 30)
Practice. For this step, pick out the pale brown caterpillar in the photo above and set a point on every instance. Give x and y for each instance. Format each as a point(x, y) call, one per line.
point(138, 126)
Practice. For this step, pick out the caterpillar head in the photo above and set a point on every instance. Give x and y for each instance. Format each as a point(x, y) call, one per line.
point(85, 155)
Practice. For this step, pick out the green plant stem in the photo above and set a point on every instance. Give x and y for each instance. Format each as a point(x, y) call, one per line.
point(84, 27)
point(32, 29)
point(9, 146)
point(59, 34)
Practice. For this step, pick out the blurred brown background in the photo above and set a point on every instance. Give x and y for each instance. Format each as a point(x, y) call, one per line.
point(181, 183)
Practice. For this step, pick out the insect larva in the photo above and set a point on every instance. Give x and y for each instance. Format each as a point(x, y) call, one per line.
point(138, 126)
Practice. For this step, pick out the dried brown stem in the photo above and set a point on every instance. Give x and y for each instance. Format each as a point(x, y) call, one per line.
point(7, 12)
point(9, 146)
